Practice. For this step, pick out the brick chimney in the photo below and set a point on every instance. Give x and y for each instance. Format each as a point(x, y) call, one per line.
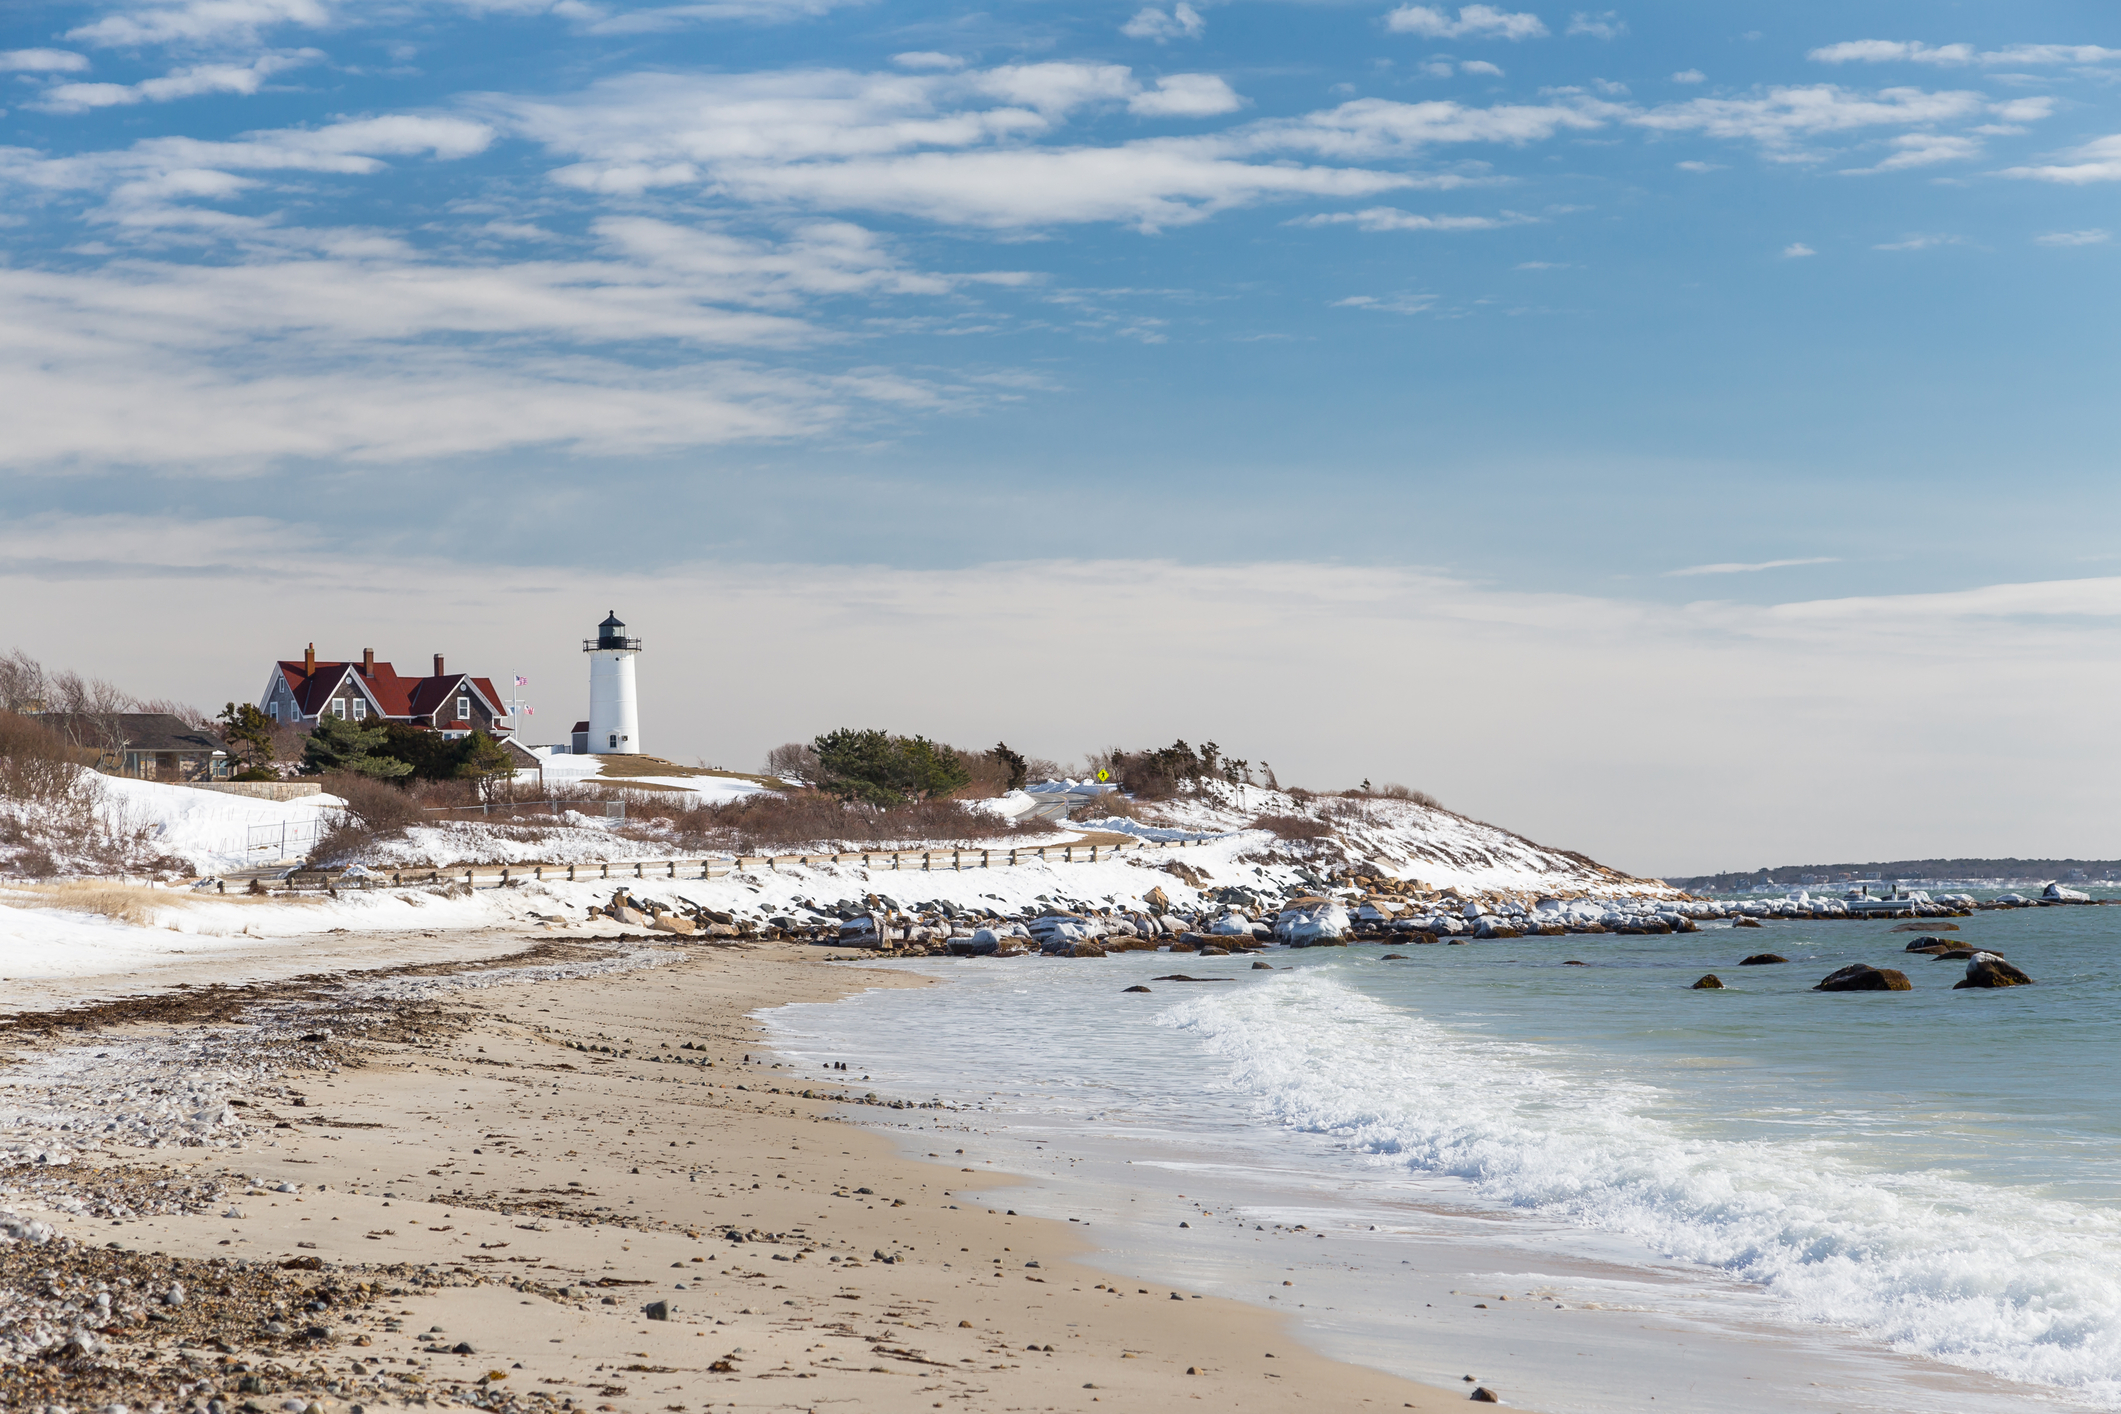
point(309, 661)
point(438, 665)
point(368, 662)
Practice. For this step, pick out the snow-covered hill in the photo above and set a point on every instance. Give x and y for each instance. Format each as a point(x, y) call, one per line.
point(1381, 836)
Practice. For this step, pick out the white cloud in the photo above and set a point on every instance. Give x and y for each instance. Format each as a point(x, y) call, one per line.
point(1181, 22)
point(1736, 568)
point(1690, 76)
point(1918, 243)
point(928, 59)
point(1367, 128)
point(1480, 66)
point(1151, 184)
point(1920, 150)
point(353, 347)
point(1899, 51)
point(1390, 218)
point(1797, 250)
point(957, 147)
point(1473, 22)
point(1388, 304)
point(1186, 96)
point(200, 20)
point(2072, 238)
point(42, 61)
point(1691, 166)
point(2096, 161)
point(1606, 24)
point(1780, 117)
point(188, 82)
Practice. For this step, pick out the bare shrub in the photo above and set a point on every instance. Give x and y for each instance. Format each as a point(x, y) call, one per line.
point(373, 809)
point(796, 763)
point(806, 822)
point(1291, 827)
point(21, 683)
point(1392, 790)
point(1038, 768)
point(37, 765)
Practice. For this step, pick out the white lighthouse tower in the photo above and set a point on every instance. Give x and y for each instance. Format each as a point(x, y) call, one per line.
point(614, 717)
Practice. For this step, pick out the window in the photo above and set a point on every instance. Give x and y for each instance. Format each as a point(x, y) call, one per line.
point(463, 709)
point(338, 708)
point(360, 709)
point(614, 741)
point(273, 708)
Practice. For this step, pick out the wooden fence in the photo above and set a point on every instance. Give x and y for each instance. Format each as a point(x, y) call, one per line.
point(926, 860)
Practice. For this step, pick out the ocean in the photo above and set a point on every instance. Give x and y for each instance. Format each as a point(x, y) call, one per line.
point(1588, 1186)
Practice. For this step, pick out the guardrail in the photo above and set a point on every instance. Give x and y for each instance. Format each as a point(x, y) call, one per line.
point(924, 860)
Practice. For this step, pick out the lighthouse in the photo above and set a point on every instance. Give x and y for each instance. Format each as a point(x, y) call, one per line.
point(614, 716)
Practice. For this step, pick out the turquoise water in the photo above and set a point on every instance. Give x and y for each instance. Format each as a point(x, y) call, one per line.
point(1935, 1173)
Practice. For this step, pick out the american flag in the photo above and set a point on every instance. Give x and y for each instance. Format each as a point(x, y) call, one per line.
point(522, 681)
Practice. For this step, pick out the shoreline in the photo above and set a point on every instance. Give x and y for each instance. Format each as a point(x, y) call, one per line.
point(425, 1077)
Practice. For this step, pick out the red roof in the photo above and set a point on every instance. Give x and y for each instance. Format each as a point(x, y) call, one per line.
point(393, 696)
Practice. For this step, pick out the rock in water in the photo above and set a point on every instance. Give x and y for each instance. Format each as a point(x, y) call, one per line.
point(1932, 945)
point(1484, 1395)
point(1710, 983)
point(1262, 967)
point(1762, 959)
point(1136, 989)
point(1745, 923)
point(1862, 977)
point(1988, 970)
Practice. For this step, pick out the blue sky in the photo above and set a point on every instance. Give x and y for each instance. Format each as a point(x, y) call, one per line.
point(1670, 313)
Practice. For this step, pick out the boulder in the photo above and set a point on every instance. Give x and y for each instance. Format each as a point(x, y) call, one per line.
point(1311, 924)
point(671, 923)
point(1925, 928)
point(1073, 947)
point(1157, 900)
point(1988, 970)
point(1929, 944)
point(1710, 983)
point(1262, 967)
point(1762, 959)
point(1134, 989)
point(620, 913)
point(1745, 923)
point(1862, 977)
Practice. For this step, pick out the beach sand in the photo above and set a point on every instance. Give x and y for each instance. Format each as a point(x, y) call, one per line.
point(466, 1168)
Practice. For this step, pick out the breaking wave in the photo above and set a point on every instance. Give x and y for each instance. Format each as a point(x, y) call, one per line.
point(1983, 1276)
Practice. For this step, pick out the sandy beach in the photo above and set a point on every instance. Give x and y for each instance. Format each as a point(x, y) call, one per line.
point(565, 1174)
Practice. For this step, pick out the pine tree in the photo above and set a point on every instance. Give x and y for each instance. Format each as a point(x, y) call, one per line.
point(336, 744)
point(484, 761)
point(248, 733)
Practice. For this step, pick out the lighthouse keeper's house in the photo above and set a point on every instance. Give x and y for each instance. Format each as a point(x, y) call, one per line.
point(302, 690)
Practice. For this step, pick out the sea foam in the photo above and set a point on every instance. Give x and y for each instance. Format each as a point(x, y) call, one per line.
point(1983, 1276)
